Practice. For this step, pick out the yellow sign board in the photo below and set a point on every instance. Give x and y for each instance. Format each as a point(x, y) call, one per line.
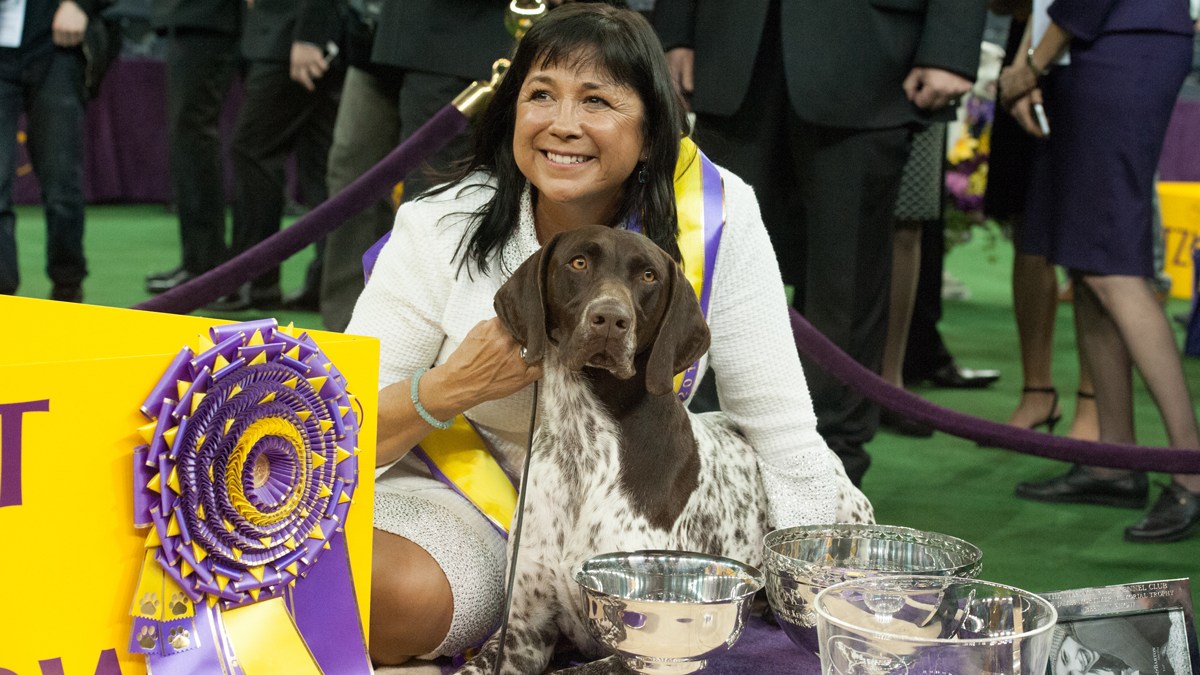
point(72, 378)
point(1180, 204)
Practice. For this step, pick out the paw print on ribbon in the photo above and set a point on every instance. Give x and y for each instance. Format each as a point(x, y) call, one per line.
point(148, 605)
point(179, 604)
point(179, 638)
point(147, 638)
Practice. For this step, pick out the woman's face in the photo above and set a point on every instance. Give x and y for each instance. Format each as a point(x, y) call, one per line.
point(1073, 658)
point(578, 135)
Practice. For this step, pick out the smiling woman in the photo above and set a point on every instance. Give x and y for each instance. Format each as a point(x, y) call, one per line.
point(585, 129)
point(578, 138)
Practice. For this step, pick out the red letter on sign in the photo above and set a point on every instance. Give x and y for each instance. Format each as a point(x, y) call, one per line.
point(10, 448)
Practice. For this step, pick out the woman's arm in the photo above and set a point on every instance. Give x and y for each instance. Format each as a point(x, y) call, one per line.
point(761, 383)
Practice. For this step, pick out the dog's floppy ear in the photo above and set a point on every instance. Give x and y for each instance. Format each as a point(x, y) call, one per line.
point(521, 303)
point(682, 336)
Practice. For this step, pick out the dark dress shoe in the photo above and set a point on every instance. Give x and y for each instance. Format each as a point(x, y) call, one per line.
point(247, 298)
point(165, 281)
point(1080, 487)
point(307, 299)
point(951, 376)
point(1173, 517)
point(903, 425)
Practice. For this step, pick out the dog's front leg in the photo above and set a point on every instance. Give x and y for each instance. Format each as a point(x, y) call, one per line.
point(532, 632)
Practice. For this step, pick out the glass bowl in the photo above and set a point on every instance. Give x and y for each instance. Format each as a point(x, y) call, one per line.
point(932, 625)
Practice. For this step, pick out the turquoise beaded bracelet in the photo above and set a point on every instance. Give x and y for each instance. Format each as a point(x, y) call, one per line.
point(416, 400)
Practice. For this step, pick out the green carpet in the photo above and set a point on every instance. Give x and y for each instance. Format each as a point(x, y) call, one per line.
point(945, 484)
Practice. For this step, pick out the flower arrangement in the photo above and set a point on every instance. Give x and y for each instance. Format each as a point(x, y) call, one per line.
point(967, 168)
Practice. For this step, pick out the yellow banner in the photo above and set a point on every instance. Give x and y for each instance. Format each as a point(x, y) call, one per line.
point(71, 380)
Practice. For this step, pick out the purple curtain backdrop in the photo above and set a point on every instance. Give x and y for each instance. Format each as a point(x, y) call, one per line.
point(125, 159)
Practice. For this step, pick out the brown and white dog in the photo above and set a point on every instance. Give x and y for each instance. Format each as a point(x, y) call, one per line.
point(618, 463)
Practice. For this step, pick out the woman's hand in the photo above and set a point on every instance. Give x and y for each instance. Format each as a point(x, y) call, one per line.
point(1016, 81)
point(1022, 111)
point(485, 367)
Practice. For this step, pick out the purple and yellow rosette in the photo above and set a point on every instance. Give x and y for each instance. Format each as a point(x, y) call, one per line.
point(245, 481)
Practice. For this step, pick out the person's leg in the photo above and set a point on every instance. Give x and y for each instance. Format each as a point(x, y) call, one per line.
point(411, 601)
point(1035, 301)
point(906, 262)
point(56, 151)
point(1085, 423)
point(366, 129)
point(11, 102)
point(312, 159)
point(200, 71)
point(273, 113)
point(847, 180)
point(1134, 312)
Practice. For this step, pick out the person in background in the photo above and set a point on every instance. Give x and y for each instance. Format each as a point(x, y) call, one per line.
point(814, 105)
point(202, 57)
point(1090, 211)
point(293, 83)
point(41, 75)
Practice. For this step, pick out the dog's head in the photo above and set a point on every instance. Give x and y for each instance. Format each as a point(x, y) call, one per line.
point(603, 297)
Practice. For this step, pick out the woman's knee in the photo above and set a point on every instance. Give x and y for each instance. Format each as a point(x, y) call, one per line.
point(411, 601)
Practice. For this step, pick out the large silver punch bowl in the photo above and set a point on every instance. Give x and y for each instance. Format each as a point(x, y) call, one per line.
point(666, 611)
point(800, 561)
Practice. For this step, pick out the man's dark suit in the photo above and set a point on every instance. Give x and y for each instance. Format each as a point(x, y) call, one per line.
point(804, 99)
point(202, 41)
point(278, 116)
point(425, 53)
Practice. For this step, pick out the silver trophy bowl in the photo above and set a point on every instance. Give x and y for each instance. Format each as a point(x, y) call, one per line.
point(666, 611)
point(801, 561)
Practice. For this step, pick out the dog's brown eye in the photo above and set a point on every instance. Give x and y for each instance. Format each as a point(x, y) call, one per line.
point(579, 262)
point(649, 276)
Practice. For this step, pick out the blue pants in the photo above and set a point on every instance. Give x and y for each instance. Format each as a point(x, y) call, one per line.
point(46, 86)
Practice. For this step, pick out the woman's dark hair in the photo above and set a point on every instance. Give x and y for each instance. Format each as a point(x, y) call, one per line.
point(620, 43)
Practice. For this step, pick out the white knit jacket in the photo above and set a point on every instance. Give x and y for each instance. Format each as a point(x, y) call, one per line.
point(421, 304)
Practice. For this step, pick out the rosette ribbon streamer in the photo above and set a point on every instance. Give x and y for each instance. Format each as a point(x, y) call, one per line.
point(459, 457)
point(245, 480)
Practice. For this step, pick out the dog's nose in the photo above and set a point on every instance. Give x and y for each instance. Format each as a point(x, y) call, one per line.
point(609, 318)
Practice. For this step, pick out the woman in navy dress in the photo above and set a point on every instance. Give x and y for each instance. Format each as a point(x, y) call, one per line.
point(1089, 210)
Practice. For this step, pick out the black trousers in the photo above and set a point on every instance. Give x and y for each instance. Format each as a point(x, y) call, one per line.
point(278, 116)
point(200, 69)
point(827, 196)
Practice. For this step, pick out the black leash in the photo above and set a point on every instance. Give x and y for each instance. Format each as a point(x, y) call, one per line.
point(516, 536)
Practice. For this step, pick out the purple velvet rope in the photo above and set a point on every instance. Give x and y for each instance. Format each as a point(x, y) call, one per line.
point(820, 350)
point(326, 217)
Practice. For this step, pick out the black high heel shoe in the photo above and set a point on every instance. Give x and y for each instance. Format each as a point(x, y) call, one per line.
point(1054, 415)
point(1173, 517)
